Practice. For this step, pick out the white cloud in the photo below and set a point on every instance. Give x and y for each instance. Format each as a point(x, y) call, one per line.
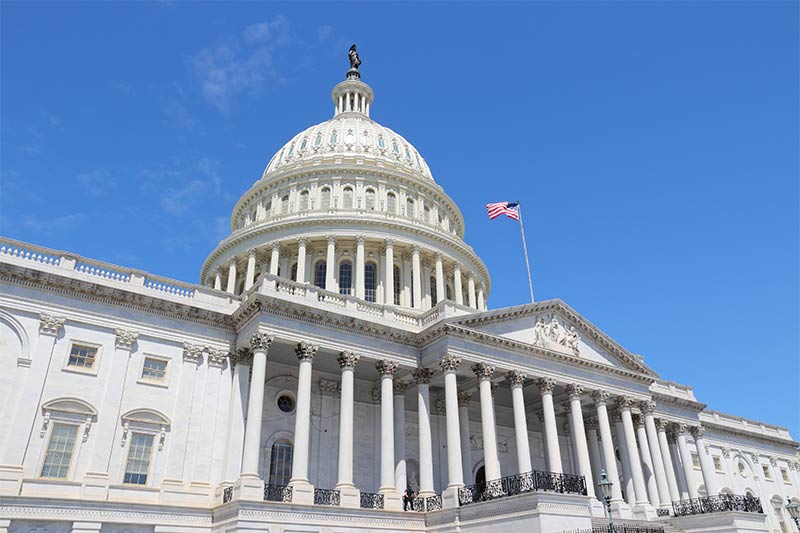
point(324, 33)
point(257, 33)
point(97, 182)
point(178, 116)
point(180, 200)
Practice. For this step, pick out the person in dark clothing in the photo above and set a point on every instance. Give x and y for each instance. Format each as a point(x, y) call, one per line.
point(408, 499)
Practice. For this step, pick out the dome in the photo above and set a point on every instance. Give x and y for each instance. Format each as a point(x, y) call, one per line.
point(349, 135)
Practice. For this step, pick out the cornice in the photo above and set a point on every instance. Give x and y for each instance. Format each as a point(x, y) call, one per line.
point(721, 428)
point(666, 399)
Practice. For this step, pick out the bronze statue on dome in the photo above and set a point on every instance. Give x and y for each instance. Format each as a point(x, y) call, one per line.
point(355, 61)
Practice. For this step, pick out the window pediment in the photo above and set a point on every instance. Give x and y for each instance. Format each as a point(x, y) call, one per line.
point(145, 416)
point(72, 406)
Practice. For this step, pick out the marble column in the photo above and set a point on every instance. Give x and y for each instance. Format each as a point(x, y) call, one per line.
point(360, 265)
point(350, 495)
point(387, 369)
point(575, 392)
point(680, 475)
point(218, 279)
point(449, 364)
point(595, 457)
point(706, 463)
point(546, 386)
point(388, 283)
point(250, 273)
point(301, 259)
point(471, 290)
point(517, 381)
point(302, 490)
point(400, 475)
point(275, 260)
point(639, 487)
point(241, 361)
point(416, 273)
point(609, 458)
point(330, 264)
point(647, 461)
point(440, 286)
point(686, 459)
point(457, 289)
point(231, 287)
point(627, 475)
point(666, 459)
point(251, 487)
point(466, 446)
point(654, 451)
point(483, 373)
point(423, 378)
point(481, 300)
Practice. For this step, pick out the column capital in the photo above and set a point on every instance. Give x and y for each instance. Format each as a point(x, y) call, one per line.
point(493, 388)
point(647, 407)
point(275, 245)
point(49, 324)
point(422, 376)
point(615, 414)
point(483, 371)
point(600, 396)
point(661, 424)
point(575, 391)
point(386, 368)
point(625, 403)
point(516, 378)
point(540, 416)
point(437, 256)
point(457, 267)
point(546, 385)
point(726, 452)
point(125, 339)
point(242, 356)
point(328, 387)
point(682, 429)
point(360, 240)
point(441, 407)
point(698, 432)
point(251, 253)
point(347, 360)
point(400, 388)
point(755, 458)
point(388, 243)
point(192, 353)
point(260, 341)
point(302, 241)
point(449, 363)
point(471, 276)
point(415, 249)
point(638, 421)
point(305, 351)
point(217, 357)
point(464, 398)
point(331, 239)
point(566, 406)
point(592, 423)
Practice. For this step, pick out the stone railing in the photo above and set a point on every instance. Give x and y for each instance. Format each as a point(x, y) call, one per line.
point(64, 263)
point(717, 504)
point(521, 483)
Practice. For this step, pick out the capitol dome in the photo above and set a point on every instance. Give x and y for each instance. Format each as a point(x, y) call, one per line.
point(350, 207)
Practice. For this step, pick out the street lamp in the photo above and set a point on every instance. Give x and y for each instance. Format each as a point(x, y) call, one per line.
point(605, 488)
point(794, 511)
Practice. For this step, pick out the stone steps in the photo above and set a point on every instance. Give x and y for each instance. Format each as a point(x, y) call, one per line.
point(668, 528)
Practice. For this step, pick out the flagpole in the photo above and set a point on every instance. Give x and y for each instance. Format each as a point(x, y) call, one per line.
point(525, 248)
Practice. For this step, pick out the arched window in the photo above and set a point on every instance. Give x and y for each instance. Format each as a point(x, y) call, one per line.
point(347, 198)
point(285, 204)
point(391, 203)
point(433, 291)
point(410, 208)
point(370, 277)
point(426, 214)
point(320, 271)
point(345, 277)
point(268, 208)
point(304, 201)
point(280, 463)
point(325, 200)
point(294, 272)
point(396, 283)
point(448, 292)
point(370, 203)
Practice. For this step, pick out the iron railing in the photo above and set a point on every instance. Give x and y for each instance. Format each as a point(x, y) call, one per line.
point(371, 500)
point(619, 529)
point(278, 493)
point(427, 504)
point(227, 494)
point(327, 497)
point(520, 483)
point(662, 512)
point(717, 504)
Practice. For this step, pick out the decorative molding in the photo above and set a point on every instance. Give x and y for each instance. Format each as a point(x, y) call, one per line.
point(49, 324)
point(125, 339)
point(192, 353)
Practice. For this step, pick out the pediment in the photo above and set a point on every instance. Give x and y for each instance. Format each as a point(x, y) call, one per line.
point(554, 326)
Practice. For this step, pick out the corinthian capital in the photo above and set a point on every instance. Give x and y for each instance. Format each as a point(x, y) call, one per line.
point(49, 324)
point(125, 339)
point(662, 424)
point(217, 357)
point(625, 402)
point(242, 356)
point(422, 376)
point(192, 353)
point(516, 378)
point(449, 363)
point(647, 407)
point(463, 399)
point(260, 341)
point(698, 432)
point(331, 239)
point(638, 421)
point(386, 368)
point(400, 388)
point(305, 351)
point(347, 360)
point(483, 371)
point(575, 391)
point(600, 396)
point(592, 423)
point(546, 385)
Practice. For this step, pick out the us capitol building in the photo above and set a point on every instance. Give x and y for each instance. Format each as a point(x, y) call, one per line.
point(338, 349)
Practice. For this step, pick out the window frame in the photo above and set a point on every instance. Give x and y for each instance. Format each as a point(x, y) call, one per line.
point(70, 465)
point(349, 289)
point(92, 371)
point(288, 463)
point(163, 382)
point(317, 264)
point(371, 295)
point(129, 444)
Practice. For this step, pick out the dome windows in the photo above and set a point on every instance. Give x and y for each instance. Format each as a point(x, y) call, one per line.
point(285, 204)
point(381, 142)
point(334, 137)
point(345, 277)
point(318, 140)
point(410, 207)
point(391, 203)
point(350, 138)
point(395, 148)
point(304, 201)
point(291, 151)
point(325, 198)
point(370, 281)
point(370, 200)
point(304, 144)
point(320, 271)
point(347, 198)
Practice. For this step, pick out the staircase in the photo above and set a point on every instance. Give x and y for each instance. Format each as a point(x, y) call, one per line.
point(668, 528)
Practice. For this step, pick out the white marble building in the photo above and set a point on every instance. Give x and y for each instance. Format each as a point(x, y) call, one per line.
point(337, 349)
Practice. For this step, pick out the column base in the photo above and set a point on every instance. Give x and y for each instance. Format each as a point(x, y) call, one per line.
point(249, 487)
point(10, 480)
point(95, 486)
point(597, 508)
point(450, 497)
point(645, 511)
point(622, 510)
point(349, 496)
point(302, 492)
point(392, 500)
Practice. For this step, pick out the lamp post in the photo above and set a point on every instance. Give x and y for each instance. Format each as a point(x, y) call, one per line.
point(794, 511)
point(605, 488)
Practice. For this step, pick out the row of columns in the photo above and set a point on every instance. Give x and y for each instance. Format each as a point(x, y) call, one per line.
point(476, 297)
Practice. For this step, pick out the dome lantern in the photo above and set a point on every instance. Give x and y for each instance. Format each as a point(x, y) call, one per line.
point(352, 95)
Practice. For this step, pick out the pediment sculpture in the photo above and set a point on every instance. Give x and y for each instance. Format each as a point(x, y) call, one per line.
point(555, 336)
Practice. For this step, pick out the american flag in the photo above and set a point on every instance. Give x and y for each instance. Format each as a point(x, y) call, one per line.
point(509, 209)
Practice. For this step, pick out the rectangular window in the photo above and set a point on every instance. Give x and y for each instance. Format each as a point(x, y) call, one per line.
point(767, 473)
point(59, 451)
point(82, 356)
point(785, 475)
point(154, 369)
point(717, 464)
point(695, 460)
point(138, 459)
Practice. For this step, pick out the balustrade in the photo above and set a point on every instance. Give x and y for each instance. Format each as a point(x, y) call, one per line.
point(717, 504)
point(371, 500)
point(327, 497)
point(278, 493)
point(521, 483)
point(427, 504)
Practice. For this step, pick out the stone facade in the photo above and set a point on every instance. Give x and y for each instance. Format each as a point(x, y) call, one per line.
point(142, 404)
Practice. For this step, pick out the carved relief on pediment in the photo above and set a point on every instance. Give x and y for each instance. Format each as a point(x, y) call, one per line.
point(552, 334)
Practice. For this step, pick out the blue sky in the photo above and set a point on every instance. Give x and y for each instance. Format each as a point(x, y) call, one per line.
point(654, 147)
